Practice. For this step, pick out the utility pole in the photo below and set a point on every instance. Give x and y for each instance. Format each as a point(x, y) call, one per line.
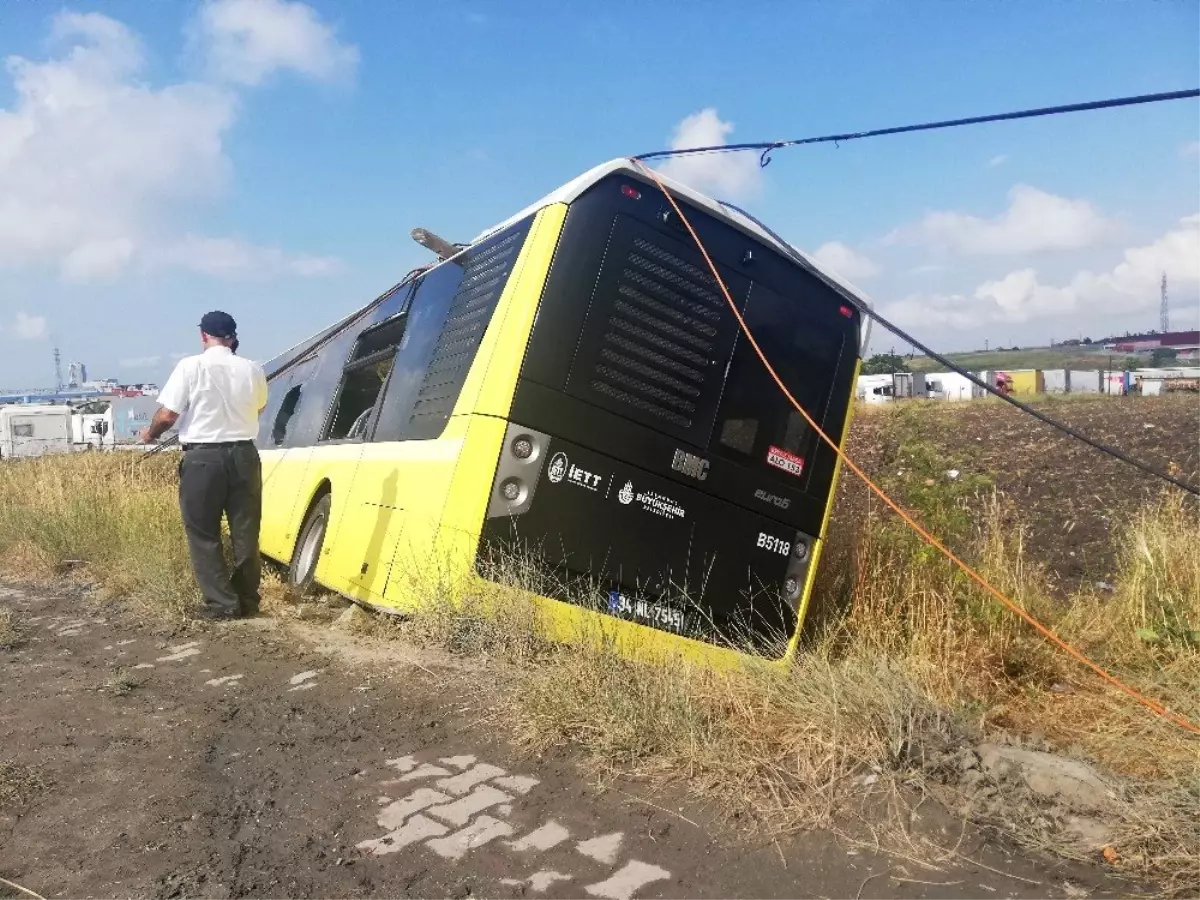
point(1164, 311)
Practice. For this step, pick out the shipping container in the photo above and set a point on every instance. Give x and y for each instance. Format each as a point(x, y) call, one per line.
point(908, 384)
point(1027, 381)
point(1116, 384)
point(1054, 381)
point(1083, 381)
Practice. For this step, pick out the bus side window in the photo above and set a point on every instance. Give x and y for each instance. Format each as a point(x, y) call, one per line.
point(283, 402)
point(363, 379)
point(448, 315)
point(287, 409)
point(427, 313)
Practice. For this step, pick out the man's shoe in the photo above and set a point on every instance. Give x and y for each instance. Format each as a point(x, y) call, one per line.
point(249, 610)
point(216, 614)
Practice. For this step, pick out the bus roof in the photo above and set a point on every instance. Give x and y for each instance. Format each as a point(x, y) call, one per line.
point(576, 187)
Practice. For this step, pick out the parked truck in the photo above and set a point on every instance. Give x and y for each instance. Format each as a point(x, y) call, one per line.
point(114, 423)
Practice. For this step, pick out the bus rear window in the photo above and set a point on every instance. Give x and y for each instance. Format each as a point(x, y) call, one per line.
point(756, 424)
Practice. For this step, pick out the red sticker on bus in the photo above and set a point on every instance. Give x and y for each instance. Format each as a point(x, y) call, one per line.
point(781, 459)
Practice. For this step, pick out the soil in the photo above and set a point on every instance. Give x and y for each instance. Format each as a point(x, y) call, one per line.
point(275, 758)
point(1071, 499)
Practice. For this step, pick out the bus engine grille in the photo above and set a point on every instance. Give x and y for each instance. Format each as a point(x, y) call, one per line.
point(661, 333)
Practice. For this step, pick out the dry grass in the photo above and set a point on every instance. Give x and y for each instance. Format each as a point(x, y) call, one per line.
point(18, 785)
point(910, 662)
point(918, 664)
point(114, 513)
point(1156, 605)
point(12, 631)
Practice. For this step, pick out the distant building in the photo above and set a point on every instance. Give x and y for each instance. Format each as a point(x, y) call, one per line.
point(1170, 340)
point(92, 390)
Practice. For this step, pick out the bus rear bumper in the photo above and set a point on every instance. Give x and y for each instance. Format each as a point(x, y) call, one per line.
point(611, 545)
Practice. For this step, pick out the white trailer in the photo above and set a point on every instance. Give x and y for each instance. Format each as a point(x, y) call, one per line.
point(951, 386)
point(28, 430)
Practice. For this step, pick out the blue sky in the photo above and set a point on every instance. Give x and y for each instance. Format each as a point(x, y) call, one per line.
point(270, 157)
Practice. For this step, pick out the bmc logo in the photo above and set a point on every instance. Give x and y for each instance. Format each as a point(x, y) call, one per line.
point(690, 464)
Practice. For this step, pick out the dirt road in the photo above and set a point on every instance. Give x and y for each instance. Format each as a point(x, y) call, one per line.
point(275, 759)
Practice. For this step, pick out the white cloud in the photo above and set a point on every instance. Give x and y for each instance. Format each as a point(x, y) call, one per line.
point(1034, 222)
point(96, 165)
point(845, 261)
point(233, 258)
point(997, 161)
point(244, 41)
point(1192, 149)
point(97, 260)
point(725, 175)
point(927, 269)
point(1129, 288)
point(139, 362)
point(90, 157)
point(30, 328)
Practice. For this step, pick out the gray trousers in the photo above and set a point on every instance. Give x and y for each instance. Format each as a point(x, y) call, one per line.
point(216, 480)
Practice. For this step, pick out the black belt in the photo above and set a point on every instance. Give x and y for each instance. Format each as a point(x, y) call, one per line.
point(218, 444)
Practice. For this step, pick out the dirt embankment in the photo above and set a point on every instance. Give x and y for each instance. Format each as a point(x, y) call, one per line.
point(1070, 499)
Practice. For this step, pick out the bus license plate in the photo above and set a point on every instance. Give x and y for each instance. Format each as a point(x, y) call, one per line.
point(645, 611)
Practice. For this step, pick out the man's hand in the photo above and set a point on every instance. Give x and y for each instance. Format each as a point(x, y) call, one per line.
point(146, 435)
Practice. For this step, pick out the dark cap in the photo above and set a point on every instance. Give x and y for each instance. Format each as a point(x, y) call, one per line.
point(218, 324)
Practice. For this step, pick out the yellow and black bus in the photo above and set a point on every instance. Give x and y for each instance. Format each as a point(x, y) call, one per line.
point(572, 389)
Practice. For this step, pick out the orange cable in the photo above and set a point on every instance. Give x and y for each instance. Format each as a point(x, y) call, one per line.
point(1078, 655)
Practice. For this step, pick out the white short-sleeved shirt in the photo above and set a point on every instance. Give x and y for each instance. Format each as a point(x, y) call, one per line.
point(217, 395)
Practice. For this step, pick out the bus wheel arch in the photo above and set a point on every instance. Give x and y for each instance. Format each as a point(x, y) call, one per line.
point(302, 568)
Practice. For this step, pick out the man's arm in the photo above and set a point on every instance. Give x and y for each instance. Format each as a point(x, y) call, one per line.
point(172, 401)
point(162, 421)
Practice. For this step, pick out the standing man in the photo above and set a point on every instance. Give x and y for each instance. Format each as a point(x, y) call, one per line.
point(217, 398)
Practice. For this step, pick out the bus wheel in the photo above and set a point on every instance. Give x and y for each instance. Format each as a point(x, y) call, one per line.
point(303, 567)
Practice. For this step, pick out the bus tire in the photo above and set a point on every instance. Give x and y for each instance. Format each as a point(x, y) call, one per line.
point(303, 567)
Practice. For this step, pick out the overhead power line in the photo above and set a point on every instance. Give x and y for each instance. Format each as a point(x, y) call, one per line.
point(899, 332)
point(766, 147)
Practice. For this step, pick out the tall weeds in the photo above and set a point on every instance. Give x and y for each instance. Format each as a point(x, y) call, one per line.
point(1155, 606)
point(115, 514)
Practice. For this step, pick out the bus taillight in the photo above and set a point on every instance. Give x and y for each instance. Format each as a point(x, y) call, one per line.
point(513, 490)
point(631, 192)
point(522, 447)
